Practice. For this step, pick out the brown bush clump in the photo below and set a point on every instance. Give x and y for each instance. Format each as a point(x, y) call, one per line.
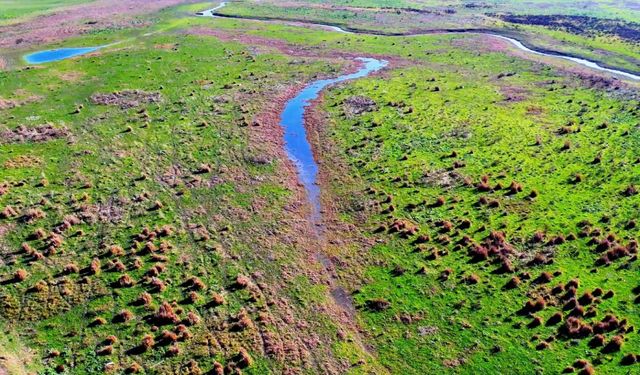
point(545, 277)
point(134, 368)
point(217, 299)
point(192, 297)
point(580, 363)
point(168, 336)
point(195, 283)
point(534, 306)
point(243, 359)
point(192, 319)
point(536, 322)
point(127, 98)
point(8, 212)
point(110, 340)
point(147, 342)
point(20, 275)
point(629, 191)
point(513, 283)
point(242, 282)
point(586, 298)
point(173, 350)
point(183, 332)
point(597, 341)
point(554, 319)
point(629, 359)
point(515, 188)
point(123, 316)
point(105, 350)
point(116, 251)
point(33, 214)
point(144, 299)
point(157, 285)
point(99, 321)
point(472, 279)
point(95, 266)
point(613, 345)
point(377, 304)
point(125, 281)
point(542, 345)
point(576, 328)
point(165, 314)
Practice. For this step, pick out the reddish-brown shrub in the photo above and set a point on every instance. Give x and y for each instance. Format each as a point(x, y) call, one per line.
point(183, 332)
point(544, 278)
point(95, 266)
point(192, 319)
point(243, 359)
point(613, 345)
point(134, 368)
point(242, 282)
point(125, 281)
point(586, 298)
point(165, 314)
point(217, 299)
point(513, 283)
point(157, 285)
point(597, 341)
point(629, 359)
point(147, 342)
point(8, 212)
point(110, 340)
point(105, 350)
point(192, 297)
point(20, 275)
point(144, 299)
point(218, 369)
point(123, 316)
point(554, 319)
point(173, 350)
point(168, 336)
point(536, 322)
point(472, 279)
point(542, 345)
point(116, 251)
point(630, 191)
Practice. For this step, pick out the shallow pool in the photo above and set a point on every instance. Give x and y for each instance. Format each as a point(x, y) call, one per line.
point(57, 54)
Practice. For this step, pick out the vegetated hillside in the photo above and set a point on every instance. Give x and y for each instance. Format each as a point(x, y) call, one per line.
point(502, 199)
point(145, 223)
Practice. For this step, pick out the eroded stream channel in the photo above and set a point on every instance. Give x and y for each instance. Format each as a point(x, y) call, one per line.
point(295, 135)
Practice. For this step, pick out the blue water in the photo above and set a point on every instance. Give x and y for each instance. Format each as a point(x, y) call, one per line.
point(295, 135)
point(57, 54)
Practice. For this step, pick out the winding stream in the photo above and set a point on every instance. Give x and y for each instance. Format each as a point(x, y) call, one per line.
point(518, 44)
point(295, 134)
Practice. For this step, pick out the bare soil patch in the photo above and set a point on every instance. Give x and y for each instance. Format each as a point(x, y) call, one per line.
point(40, 133)
point(80, 19)
point(127, 98)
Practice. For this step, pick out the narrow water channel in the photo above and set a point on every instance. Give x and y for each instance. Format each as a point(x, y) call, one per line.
point(295, 135)
point(518, 44)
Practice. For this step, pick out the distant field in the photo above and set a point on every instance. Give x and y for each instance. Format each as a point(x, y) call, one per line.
point(13, 9)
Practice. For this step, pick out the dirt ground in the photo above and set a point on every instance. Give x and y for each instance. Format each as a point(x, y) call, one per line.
point(77, 20)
